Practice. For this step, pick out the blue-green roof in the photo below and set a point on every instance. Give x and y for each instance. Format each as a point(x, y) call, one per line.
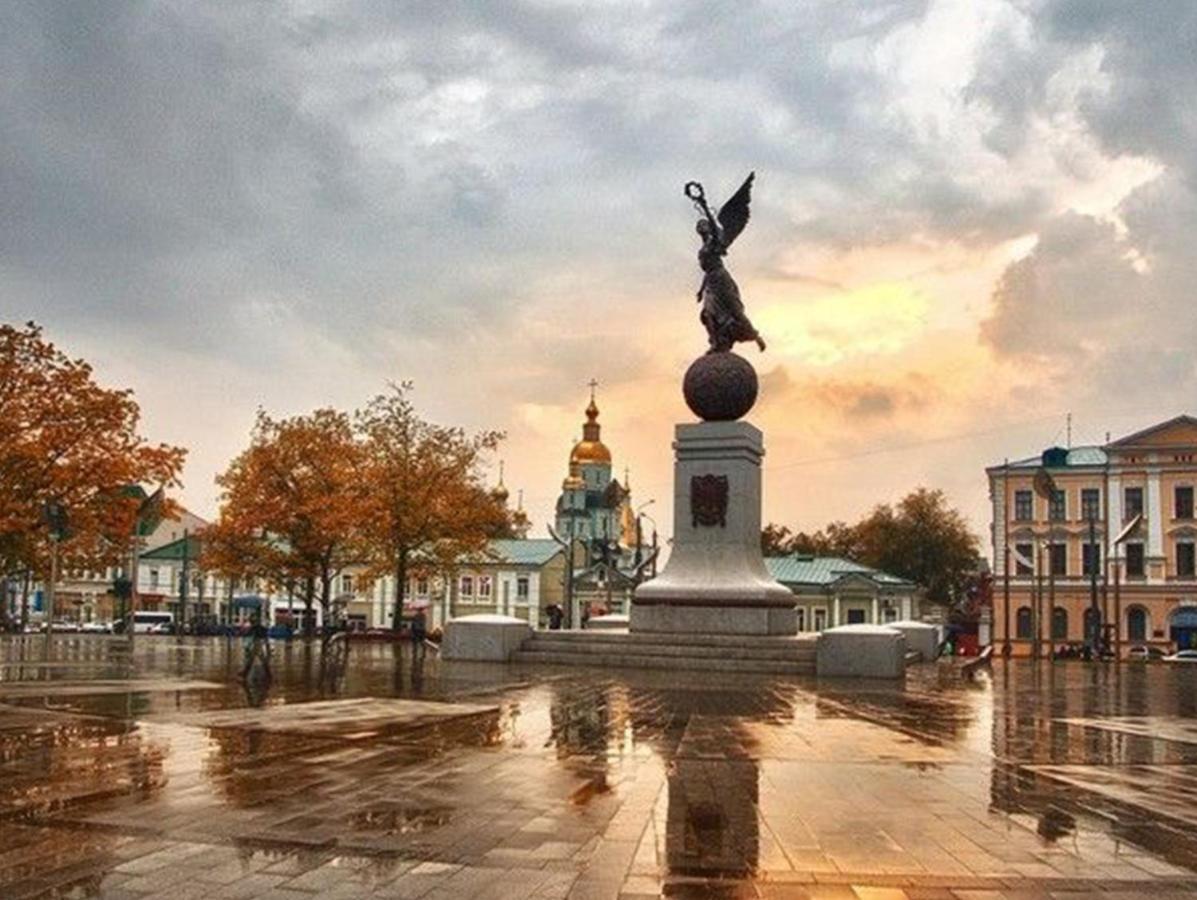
point(820, 571)
point(526, 552)
point(173, 551)
point(1077, 456)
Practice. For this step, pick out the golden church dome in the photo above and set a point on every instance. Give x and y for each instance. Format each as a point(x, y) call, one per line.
point(590, 449)
point(590, 452)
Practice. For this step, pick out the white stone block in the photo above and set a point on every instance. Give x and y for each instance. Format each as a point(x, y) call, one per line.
point(920, 636)
point(484, 637)
point(861, 651)
point(610, 622)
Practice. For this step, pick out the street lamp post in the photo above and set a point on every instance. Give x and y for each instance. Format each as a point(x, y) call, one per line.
point(55, 516)
point(1095, 638)
point(567, 547)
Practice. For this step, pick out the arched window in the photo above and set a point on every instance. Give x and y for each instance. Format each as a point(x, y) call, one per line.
point(1092, 623)
point(1059, 624)
point(1136, 624)
point(1023, 622)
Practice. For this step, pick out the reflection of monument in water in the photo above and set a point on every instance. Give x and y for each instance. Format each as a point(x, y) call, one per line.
point(711, 824)
point(716, 580)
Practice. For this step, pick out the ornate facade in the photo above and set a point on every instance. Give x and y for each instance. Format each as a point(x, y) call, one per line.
point(1146, 584)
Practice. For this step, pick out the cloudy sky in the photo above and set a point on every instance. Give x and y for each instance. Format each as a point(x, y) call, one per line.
point(970, 219)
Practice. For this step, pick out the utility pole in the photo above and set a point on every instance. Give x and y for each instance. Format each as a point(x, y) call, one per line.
point(1037, 606)
point(1093, 605)
point(1006, 649)
point(571, 615)
point(55, 516)
point(186, 575)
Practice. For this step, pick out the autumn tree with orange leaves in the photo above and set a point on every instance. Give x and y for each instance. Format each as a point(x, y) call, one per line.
point(65, 439)
point(290, 506)
point(425, 501)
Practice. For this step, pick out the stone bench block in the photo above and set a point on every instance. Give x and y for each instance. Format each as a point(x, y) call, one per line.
point(861, 651)
point(484, 637)
point(920, 637)
point(609, 622)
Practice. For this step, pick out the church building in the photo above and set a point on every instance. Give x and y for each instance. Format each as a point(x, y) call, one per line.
point(595, 509)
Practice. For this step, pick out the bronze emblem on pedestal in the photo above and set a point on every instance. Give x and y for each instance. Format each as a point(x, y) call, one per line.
point(708, 500)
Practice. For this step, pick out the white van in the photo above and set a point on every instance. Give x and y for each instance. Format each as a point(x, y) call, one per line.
point(149, 622)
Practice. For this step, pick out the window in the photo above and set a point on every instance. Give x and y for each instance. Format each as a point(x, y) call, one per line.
point(1132, 503)
point(1023, 510)
point(856, 617)
point(522, 588)
point(1136, 624)
point(1059, 624)
point(484, 586)
point(153, 579)
point(801, 618)
point(820, 618)
point(1059, 558)
point(1057, 510)
point(1090, 504)
point(421, 587)
point(1022, 623)
point(1134, 560)
point(889, 614)
point(467, 586)
point(346, 584)
point(1184, 559)
point(1024, 561)
point(1184, 503)
point(1091, 559)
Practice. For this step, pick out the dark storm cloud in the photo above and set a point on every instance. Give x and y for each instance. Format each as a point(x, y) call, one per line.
point(1111, 307)
point(401, 169)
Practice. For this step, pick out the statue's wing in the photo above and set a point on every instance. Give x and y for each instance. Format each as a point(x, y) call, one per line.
point(734, 214)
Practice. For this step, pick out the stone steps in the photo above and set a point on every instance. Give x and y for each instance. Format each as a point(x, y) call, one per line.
point(719, 653)
point(646, 661)
point(751, 641)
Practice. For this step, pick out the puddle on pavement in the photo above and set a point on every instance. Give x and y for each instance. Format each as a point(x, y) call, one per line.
point(720, 778)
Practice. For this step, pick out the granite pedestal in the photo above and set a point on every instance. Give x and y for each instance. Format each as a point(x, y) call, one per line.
point(484, 637)
point(861, 651)
point(715, 581)
point(920, 636)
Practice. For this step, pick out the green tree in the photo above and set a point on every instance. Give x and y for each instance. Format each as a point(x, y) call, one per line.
point(426, 502)
point(291, 506)
point(67, 440)
point(922, 539)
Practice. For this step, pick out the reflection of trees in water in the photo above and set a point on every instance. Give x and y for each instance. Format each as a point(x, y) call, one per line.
point(585, 719)
point(933, 718)
point(249, 765)
point(68, 763)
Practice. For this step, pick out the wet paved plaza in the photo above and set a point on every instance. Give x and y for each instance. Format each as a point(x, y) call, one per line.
point(392, 777)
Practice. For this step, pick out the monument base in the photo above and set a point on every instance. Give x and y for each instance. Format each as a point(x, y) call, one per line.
point(672, 618)
point(715, 581)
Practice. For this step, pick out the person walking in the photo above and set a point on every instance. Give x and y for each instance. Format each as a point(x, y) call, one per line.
point(257, 647)
point(419, 633)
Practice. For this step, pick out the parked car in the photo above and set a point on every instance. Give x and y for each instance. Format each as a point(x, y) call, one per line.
point(161, 628)
point(65, 627)
point(96, 628)
point(1144, 652)
point(1182, 656)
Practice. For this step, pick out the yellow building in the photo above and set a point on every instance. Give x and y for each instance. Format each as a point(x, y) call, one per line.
point(1146, 586)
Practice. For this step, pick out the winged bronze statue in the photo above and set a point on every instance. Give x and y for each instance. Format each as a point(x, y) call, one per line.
point(722, 309)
